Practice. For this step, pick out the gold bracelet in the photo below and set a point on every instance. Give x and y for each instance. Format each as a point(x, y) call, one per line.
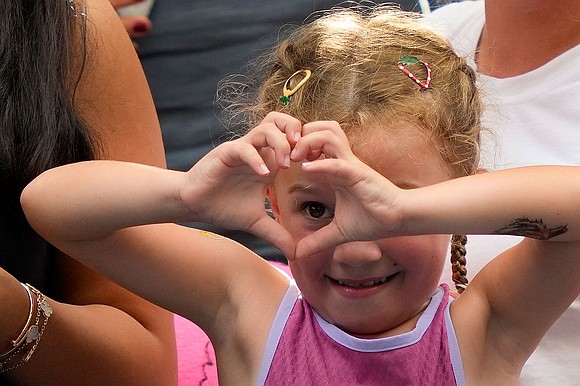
point(18, 341)
point(32, 334)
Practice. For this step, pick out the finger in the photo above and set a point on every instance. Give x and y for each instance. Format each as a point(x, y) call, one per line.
point(321, 135)
point(287, 124)
point(319, 143)
point(266, 136)
point(332, 126)
point(341, 173)
point(238, 153)
point(271, 231)
point(324, 238)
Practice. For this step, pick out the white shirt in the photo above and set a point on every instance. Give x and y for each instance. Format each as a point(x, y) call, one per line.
point(531, 119)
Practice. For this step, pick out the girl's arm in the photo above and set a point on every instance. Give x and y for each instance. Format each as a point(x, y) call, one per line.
point(512, 302)
point(115, 217)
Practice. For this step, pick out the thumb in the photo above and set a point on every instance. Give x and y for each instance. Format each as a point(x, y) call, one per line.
point(274, 233)
point(324, 238)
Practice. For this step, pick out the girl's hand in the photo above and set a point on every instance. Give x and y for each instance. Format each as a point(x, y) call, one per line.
point(366, 202)
point(227, 187)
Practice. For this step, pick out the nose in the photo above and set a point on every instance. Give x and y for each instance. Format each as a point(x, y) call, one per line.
point(357, 253)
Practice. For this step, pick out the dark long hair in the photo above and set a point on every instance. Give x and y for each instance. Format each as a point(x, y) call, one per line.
point(41, 63)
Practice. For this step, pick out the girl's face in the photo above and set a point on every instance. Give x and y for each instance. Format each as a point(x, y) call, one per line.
point(371, 288)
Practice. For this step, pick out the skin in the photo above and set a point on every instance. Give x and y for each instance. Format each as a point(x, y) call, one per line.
point(520, 36)
point(410, 259)
point(510, 44)
point(375, 224)
point(109, 331)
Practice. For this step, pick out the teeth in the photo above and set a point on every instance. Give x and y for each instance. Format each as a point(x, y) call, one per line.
point(363, 285)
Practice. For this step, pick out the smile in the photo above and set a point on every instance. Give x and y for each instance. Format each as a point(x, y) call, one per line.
point(364, 284)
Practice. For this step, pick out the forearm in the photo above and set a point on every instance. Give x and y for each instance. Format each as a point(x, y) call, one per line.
point(14, 308)
point(98, 345)
point(121, 195)
point(104, 335)
point(538, 202)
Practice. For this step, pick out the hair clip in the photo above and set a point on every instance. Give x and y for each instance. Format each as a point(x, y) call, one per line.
point(408, 60)
point(285, 98)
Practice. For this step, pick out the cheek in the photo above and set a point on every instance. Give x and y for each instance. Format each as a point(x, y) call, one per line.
point(421, 256)
point(309, 272)
point(312, 266)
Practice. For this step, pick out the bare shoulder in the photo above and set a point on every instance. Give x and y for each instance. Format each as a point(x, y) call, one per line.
point(112, 94)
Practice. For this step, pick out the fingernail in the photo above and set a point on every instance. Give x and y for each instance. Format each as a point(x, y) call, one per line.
point(297, 136)
point(306, 165)
point(293, 154)
point(264, 169)
point(287, 161)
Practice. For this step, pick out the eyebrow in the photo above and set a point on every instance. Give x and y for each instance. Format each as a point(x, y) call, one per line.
point(297, 188)
point(301, 188)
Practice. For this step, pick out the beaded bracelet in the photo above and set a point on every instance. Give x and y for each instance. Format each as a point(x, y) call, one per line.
point(30, 335)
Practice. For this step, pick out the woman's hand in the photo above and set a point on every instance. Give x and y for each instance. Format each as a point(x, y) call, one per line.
point(227, 187)
point(366, 202)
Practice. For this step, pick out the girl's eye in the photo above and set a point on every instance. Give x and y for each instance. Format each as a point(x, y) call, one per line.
point(316, 210)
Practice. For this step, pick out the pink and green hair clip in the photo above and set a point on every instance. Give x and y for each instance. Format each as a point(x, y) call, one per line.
point(411, 60)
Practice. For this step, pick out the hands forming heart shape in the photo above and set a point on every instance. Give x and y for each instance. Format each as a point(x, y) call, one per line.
point(227, 187)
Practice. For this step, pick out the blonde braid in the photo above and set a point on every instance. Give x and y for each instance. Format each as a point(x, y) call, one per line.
point(459, 262)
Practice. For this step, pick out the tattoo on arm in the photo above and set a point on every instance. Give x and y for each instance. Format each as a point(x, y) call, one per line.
point(211, 235)
point(535, 229)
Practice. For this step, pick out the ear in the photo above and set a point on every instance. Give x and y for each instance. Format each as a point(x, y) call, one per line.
point(273, 199)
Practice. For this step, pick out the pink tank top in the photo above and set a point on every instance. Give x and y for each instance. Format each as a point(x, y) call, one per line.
point(303, 349)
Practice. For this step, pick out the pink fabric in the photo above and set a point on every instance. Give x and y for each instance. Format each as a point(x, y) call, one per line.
point(195, 354)
point(306, 355)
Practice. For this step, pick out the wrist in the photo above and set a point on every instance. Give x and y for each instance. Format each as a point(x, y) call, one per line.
point(187, 200)
point(14, 311)
point(24, 345)
point(411, 214)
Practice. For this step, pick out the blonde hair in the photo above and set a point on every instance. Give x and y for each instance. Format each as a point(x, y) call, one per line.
point(353, 55)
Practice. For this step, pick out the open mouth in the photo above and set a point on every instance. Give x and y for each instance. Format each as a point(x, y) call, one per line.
point(364, 284)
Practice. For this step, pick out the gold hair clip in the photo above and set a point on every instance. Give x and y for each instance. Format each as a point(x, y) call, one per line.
point(408, 60)
point(285, 98)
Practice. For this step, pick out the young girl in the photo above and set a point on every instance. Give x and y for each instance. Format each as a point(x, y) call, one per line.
point(376, 118)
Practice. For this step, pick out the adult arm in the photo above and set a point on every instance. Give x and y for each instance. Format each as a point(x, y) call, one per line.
point(100, 333)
